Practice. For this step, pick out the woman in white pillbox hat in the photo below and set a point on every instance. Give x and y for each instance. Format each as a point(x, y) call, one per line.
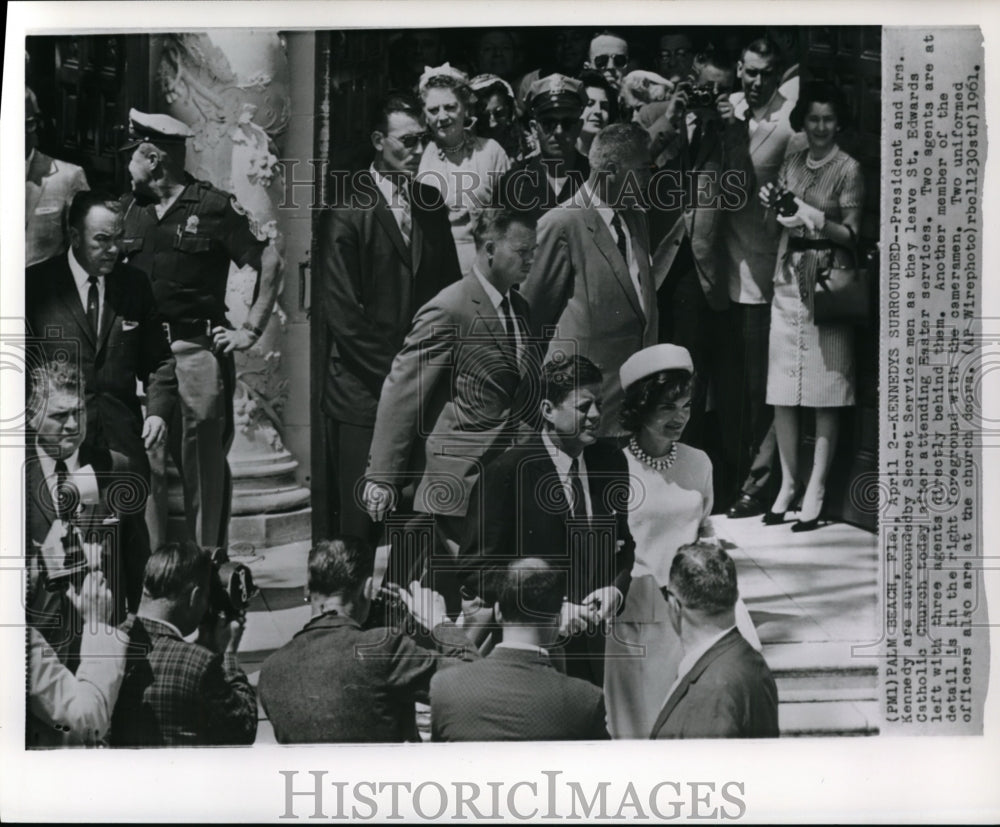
point(669, 506)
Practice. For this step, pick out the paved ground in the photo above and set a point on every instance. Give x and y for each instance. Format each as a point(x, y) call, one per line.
point(812, 596)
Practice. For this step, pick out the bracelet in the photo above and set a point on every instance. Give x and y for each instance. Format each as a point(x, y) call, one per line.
point(256, 331)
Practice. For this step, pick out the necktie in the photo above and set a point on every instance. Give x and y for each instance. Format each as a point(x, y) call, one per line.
point(508, 323)
point(616, 224)
point(93, 305)
point(406, 214)
point(578, 508)
point(63, 495)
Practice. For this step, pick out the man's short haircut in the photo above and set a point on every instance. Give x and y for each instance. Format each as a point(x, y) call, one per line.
point(720, 59)
point(531, 592)
point(610, 33)
point(402, 102)
point(340, 565)
point(763, 47)
point(84, 201)
point(176, 568)
point(618, 143)
point(493, 223)
point(49, 378)
point(703, 577)
point(561, 376)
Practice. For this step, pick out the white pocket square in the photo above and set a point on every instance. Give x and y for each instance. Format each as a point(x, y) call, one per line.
point(127, 325)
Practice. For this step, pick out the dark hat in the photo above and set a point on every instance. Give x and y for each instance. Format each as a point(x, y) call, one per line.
point(154, 129)
point(556, 92)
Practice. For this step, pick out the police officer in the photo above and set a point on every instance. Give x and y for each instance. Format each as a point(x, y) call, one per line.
point(184, 233)
point(540, 182)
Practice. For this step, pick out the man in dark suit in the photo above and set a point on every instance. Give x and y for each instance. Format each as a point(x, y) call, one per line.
point(87, 307)
point(337, 682)
point(702, 153)
point(177, 693)
point(454, 395)
point(562, 496)
point(515, 694)
point(387, 249)
point(590, 289)
point(724, 688)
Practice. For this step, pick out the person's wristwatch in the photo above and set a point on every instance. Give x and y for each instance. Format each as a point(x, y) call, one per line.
point(256, 331)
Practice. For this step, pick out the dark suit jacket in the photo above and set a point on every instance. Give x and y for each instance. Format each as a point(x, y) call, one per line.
point(179, 694)
point(514, 695)
point(131, 345)
point(372, 284)
point(453, 392)
point(519, 510)
point(337, 682)
point(525, 186)
point(729, 693)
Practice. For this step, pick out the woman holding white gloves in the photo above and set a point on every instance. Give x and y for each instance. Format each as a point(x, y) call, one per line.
point(810, 365)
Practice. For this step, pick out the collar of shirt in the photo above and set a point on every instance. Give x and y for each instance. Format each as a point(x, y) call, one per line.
point(562, 462)
point(528, 647)
point(163, 622)
point(387, 187)
point(82, 279)
point(741, 109)
point(495, 295)
point(27, 162)
point(691, 658)
point(603, 210)
point(48, 465)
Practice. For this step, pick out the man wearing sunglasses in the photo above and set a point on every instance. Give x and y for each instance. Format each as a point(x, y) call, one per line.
point(385, 249)
point(609, 55)
point(536, 184)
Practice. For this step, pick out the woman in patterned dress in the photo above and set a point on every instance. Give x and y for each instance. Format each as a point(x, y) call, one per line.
point(810, 365)
point(463, 166)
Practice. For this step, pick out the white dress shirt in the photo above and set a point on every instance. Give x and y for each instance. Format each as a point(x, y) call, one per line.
point(607, 214)
point(528, 647)
point(562, 462)
point(397, 204)
point(495, 297)
point(48, 465)
point(82, 279)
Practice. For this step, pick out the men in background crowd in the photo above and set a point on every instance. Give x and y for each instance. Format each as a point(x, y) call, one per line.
point(337, 682)
point(569, 49)
point(674, 55)
point(49, 187)
point(536, 184)
point(106, 317)
point(750, 248)
point(554, 497)
point(177, 693)
point(591, 283)
point(183, 234)
point(67, 709)
point(515, 694)
point(724, 688)
point(498, 52)
point(608, 54)
point(455, 386)
point(389, 251)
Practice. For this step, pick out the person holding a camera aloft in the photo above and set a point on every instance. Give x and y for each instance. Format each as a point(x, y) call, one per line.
point(818, 200)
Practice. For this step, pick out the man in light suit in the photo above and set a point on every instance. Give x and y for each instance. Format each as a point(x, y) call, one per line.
point(750, 248)
point(515, 694)
point(90, 307)
point(49, 188)
point(453, 397)
point(724, 688)
point(590, 288)
point(386, 250)
point(701, 151)
point(560, 496)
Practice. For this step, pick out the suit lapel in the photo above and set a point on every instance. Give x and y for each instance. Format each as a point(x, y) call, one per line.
point(113, 295)
point(66, 289)
point(543, 471)
point(385, 217)
point(607, 247)
point(720, 647)
point(488, 315)
point(416, 231)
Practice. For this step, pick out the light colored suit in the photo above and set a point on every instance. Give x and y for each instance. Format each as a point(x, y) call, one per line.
point(582, 296)
point(454, 387)
point(49, 188)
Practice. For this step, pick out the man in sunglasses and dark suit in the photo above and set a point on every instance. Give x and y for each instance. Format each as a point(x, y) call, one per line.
point(386, 249)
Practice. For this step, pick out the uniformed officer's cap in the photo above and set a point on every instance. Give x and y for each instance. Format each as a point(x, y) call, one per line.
point(154, 129)
point(556, 92)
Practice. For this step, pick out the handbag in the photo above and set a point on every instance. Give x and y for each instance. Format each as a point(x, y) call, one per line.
point(843, 294)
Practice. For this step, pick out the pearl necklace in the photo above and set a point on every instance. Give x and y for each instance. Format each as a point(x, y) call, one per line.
point(656, 463)
point(445, 151)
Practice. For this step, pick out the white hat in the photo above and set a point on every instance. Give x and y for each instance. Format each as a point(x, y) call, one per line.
point(652, 360)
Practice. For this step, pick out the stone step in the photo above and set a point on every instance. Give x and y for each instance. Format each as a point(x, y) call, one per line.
point(828, 718)
point(820, 658)
point(796, 695)
point(821, 685)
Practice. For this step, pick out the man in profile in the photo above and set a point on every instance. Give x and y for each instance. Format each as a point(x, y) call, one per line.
point(516, 694)
point(724, 688)
point(337, 682)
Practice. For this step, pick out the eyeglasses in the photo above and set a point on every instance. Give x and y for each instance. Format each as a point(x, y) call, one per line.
point(550, 124)
point(666, 54)
point(30, 124)
point(411, 141)
point(619, 61)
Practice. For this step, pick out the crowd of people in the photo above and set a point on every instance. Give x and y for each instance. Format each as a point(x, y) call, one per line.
point(570, 317)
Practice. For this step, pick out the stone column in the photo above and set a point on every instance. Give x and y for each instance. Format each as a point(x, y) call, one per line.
point(232, 87)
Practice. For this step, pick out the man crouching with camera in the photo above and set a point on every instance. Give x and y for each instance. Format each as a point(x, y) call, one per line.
point(178, 693)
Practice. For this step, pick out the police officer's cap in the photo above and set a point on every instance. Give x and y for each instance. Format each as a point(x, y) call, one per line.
point(556, 92)
point(154, 129)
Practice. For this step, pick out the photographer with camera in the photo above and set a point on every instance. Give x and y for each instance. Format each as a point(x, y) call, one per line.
point(178, 693)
